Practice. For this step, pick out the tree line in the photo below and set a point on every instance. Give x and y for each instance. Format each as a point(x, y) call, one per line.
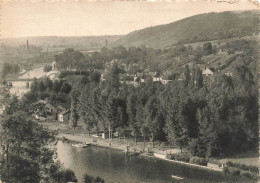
point(140, 58)
point(207, 116)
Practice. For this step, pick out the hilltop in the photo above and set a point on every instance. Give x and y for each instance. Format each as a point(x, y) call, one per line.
point(203, 27)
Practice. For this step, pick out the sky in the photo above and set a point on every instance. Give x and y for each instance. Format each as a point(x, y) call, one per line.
point(56, 18)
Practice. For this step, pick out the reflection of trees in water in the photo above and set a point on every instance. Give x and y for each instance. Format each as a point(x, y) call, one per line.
point(116, 166)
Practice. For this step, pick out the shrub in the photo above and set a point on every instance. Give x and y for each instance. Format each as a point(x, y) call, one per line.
point(65, 176)
point(99, 180)
point(170, 156)
point(182, 157)
point(243, 166)
point(226, 170)
point(247, 174)
point(88, 178)
point(199, 161)
point(234, 171)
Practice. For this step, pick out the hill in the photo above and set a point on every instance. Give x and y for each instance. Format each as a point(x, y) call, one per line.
point(82, 42)
point(203, 27)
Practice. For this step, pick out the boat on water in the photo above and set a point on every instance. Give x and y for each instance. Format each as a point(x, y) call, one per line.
point(176, 177)
point(81, 145)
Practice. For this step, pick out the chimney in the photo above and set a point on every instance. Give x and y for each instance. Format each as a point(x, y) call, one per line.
point(27, 44)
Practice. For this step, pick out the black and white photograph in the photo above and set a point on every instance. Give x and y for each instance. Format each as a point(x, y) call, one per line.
point(145, 91)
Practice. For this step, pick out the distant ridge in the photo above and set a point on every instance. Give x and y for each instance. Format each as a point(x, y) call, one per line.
point(87, 42)
point(203, 27)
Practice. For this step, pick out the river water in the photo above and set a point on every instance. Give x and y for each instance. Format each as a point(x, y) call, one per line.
point(19, 87)
point(34, 73)
point(115, 166)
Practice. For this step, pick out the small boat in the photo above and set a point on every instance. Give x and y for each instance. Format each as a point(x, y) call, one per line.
point(176, 177)
point(83, 145)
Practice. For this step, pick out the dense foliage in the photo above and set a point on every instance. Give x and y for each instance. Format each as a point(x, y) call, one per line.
point(56, 91)
point(207, 116)
point(26, 147)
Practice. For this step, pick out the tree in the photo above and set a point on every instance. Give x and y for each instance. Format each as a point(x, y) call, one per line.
point(56, 86)
point(34, 85)
point(187, 75)
point(198, 78)
point(25, 156)
point(112, 82)
point(74, 116)
point(88, 179)
point(65, 176)
point(152, 113)
point(207, 48)
point(99, 180)
point(95, 77)
point(66, 88)
point(132, 112)
point(86, 112)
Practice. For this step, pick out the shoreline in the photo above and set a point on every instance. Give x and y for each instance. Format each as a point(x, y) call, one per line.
point(103, 144)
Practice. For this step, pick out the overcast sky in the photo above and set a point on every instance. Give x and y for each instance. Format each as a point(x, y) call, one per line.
point(22, 19)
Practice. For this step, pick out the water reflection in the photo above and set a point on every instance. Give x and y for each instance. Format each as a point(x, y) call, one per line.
point(37, 73)
point(116, 166)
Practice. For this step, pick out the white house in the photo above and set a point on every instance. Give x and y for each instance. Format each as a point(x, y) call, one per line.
point(207, 72)
point(64, 116)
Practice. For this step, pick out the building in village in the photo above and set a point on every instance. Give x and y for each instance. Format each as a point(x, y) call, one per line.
point(207, 72)
point(64, 116)
point(50, 108)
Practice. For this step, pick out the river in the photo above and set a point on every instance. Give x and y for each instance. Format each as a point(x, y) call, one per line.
point(115, 166)
point(34, 73)
point(19, 87)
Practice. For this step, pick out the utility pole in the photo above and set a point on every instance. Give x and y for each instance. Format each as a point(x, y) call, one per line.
point(109, 133)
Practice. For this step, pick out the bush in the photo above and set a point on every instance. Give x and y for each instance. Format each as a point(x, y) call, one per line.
point(243, 167)
point(226, 170)
point(99, 180)
point(247, 174)
point(88, 178)
point(199, 161)
point(170, 156)
point(234, 171)
point(182, 157)
point(65, 176)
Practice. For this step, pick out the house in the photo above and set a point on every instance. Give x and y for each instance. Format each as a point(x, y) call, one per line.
point(40, 102)
point(155, 79)
point(228, 73)
point(207, 72)
point(39, 117)
point(215, 165)
point(50, 108)
point(64, 116)
point(164, 81)
point(181, 77)
point(152, 74)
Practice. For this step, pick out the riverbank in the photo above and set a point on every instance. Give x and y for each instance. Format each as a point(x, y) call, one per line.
point(120, 144)
point(115, 145)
